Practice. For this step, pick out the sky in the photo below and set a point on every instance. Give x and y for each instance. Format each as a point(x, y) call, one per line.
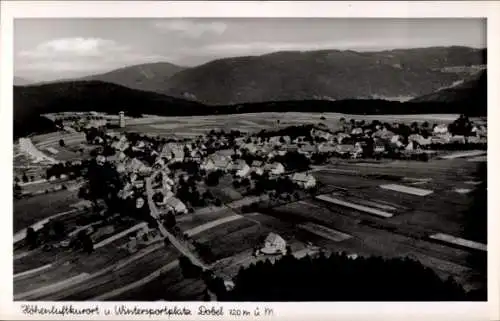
point(49, 48)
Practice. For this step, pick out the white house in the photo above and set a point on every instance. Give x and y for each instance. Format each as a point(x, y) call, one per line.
point(251, 148)
point(344, 149)
point(307, 149)
point(357, 131)
point(460, 139)
point(326, 148)
point(441, 139)
point(281, 152)
point(176, 205)
point(257, 167)
point(195, 155)
point(474, 139)
point(215, 162)
point(304, 180)
point(440, 129)
point(138, 183)
point(173, 152)
point(239, 167)
point(275, 168)
point(274, 244)
point(379, 147)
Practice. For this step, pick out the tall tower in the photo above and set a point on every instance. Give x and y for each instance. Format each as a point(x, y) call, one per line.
point(122, 119)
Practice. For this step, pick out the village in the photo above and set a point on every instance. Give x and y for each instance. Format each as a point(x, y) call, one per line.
point(146, 188)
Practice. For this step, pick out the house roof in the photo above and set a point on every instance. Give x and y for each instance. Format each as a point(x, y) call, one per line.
point(345, 148)
point(272, 166)
point(224, 152)
point(220, 162)
point(274, 238)
point(308, 148)
point(256, 163)
point(174, 202)
point(238, 164)
point(301, 177)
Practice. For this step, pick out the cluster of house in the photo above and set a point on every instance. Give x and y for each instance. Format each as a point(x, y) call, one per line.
point(354, 140)
point(221, 161)
point(135, 171)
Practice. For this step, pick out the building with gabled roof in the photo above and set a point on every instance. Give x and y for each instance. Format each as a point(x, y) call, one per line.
point(239, 167)
point(176, 205)
point(274, 244)
point(275, 168)
point(304, 180)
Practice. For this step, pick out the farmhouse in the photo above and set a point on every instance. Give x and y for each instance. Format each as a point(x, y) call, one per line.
point(274, 244)
point(251, 148)
point(173, 152)
point(136, 166)
point(440, 129)
point(357, 131)
point(474, 139)
point(379, 147)
point(304, 180)
point(326, 148)
point(321, 134)
point(383, 134)
point(257, 167)
point(224, 152)
point(343, 149)
point(275, 140)
point(459, 139)
point(239, 167)
point(275, 168)
point(220, 163)
point(307, 149)
point(176, 205)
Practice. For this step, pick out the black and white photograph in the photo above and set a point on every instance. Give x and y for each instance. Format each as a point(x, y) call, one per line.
point(250, 159)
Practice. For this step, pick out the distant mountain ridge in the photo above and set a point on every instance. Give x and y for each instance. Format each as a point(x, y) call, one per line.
point(20, 81)
point(400, 74)
point(293, 75)
point(147, 77)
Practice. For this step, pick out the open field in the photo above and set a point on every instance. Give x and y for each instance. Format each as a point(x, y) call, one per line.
point(28, 211)
point(192, 126)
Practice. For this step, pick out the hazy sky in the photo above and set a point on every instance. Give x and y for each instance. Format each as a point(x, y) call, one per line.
point(48, 49)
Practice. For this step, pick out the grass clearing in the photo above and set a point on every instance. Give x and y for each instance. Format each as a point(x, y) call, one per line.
point(325, 232)
point(212, 224)
point(28, 211)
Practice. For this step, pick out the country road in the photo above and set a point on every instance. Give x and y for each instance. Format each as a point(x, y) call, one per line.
point(173, 240)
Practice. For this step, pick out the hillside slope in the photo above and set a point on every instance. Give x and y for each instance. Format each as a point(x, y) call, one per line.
point(147, 77)
point(32, 101)
point(325, 74)
point(472, 93)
